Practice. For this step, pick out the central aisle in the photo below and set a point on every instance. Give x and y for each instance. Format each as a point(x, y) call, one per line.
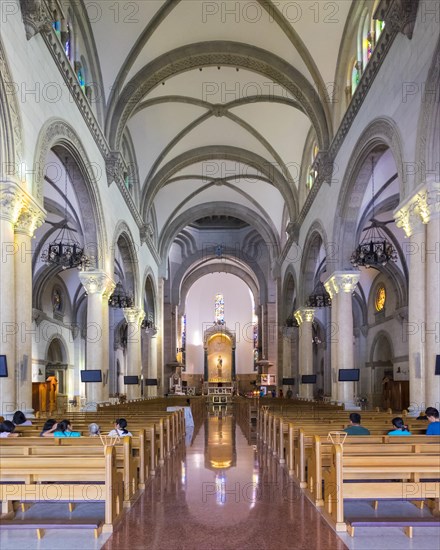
point(221, 493)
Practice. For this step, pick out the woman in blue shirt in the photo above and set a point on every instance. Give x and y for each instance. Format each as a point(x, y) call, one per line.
point(64, 429)
point(399, 427)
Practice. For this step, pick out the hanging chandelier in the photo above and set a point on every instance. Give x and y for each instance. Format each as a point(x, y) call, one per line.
point(319, 297)
point(374, 249)
point(120, 299)
point(66, 251)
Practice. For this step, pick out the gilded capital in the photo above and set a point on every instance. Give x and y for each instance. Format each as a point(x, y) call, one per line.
point(11, 202)
point(418, 209)
point(342, 281)
point(31, 217)
point(97, 282)
point(304, 315)
point(134, 315)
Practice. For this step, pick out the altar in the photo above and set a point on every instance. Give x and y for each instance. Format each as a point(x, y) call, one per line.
point(219, 367)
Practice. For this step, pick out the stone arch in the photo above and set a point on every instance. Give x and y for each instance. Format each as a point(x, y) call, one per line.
point(58, 135)
point(11, 133)
point(266, 228)
point(149, 295)
point(381, 134)
point(60, 341)
point(315, 239)
point(186, 283)
point(382, 344)
point(123, 239)
point(214, 53)
point(290, 293)
point(253, 273)
point(215, 152)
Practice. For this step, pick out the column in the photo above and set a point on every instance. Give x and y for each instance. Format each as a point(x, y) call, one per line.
point(412, 216)
point(99, 287)
point(305, 316)
point(341, 286)
point(31, 217)
point(432, 331)
point(10, 206)
point(133, 316)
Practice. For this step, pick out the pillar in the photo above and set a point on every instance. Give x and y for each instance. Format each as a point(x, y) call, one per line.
point(134, 317)
point(31, 217)
point(305, 316)
point(433, 308)
point(99, 287)
point(341, 286)
point(10, 205)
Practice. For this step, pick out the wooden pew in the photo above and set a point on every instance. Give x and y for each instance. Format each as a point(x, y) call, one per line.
point(396, 476)
point(95, 479)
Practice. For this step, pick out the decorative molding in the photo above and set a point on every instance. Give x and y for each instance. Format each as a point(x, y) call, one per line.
point(399, 15)
point(20, 208)
point(11, 202)
point(97, 282)
point(30, 219)
point(341, 281)
point(36, 17)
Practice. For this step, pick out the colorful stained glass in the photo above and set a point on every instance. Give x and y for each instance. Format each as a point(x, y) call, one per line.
point(219, 309)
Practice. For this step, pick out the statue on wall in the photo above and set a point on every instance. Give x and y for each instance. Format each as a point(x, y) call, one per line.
point(219, 366)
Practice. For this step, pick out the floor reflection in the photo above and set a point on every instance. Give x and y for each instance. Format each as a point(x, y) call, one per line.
point(219, 492)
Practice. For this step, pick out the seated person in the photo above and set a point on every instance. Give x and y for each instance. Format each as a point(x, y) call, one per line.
point(434, 421)
point(7, 429)
point(94, 430)
point(399, 427)
point(64, 429)
point(49, 428)
point(19, 419)
point(355, 427)
point(120, 428)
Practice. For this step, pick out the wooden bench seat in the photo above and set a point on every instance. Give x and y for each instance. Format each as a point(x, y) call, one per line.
point(41, 525)
point(96, 479)
point(392, 521)
point(397, 476)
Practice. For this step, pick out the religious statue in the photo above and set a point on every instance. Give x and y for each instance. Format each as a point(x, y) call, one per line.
point(219, 366)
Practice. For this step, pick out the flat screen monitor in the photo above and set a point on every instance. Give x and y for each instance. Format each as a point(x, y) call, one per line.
point(348, 375)
point(288, 381)
point(150, 382)
point(308, 379)
point(3, 366)
point(437, 365)
point(91, 376)
point(131, 380)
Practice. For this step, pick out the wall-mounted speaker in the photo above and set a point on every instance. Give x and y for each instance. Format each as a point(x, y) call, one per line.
point(437, 365)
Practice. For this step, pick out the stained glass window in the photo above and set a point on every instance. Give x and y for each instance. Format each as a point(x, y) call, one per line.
point(379, 28)
point(381, 297)
point(67, 43)
point(370, 44)
point(312, 172)
point(355, 76)
point(219, 309)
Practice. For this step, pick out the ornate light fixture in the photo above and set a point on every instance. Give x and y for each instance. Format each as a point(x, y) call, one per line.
point(319, 297)
point(374, 249)
point(119, 298)
point(66, 251)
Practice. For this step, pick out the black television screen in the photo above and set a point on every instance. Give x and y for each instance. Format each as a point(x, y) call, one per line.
point(3, 366)
point(308, 379)
point(348, 375)
point(288, 381)
point(91, 376)
point(150, 382)
point(131, 380)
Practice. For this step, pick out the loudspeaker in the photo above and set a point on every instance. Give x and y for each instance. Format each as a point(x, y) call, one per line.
point(437, 365)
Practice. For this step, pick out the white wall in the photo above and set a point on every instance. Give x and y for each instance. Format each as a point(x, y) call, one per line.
point(200, 315)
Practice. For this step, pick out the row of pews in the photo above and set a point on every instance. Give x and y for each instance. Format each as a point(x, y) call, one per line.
point(333, 468)
point(89, 469)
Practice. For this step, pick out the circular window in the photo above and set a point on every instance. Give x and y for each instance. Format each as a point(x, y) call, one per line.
point(381, 297)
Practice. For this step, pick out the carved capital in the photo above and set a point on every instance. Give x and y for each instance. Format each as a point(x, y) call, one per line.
point(11, 202)
point(134, 315)
point(341, 281)
point(97, 282)
point(36, 17)
point(37, 316)
point(146, 233)
point(399, 15)
point(419, 209)
point(31, 217)
point(304, 315)
point(323, 166)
